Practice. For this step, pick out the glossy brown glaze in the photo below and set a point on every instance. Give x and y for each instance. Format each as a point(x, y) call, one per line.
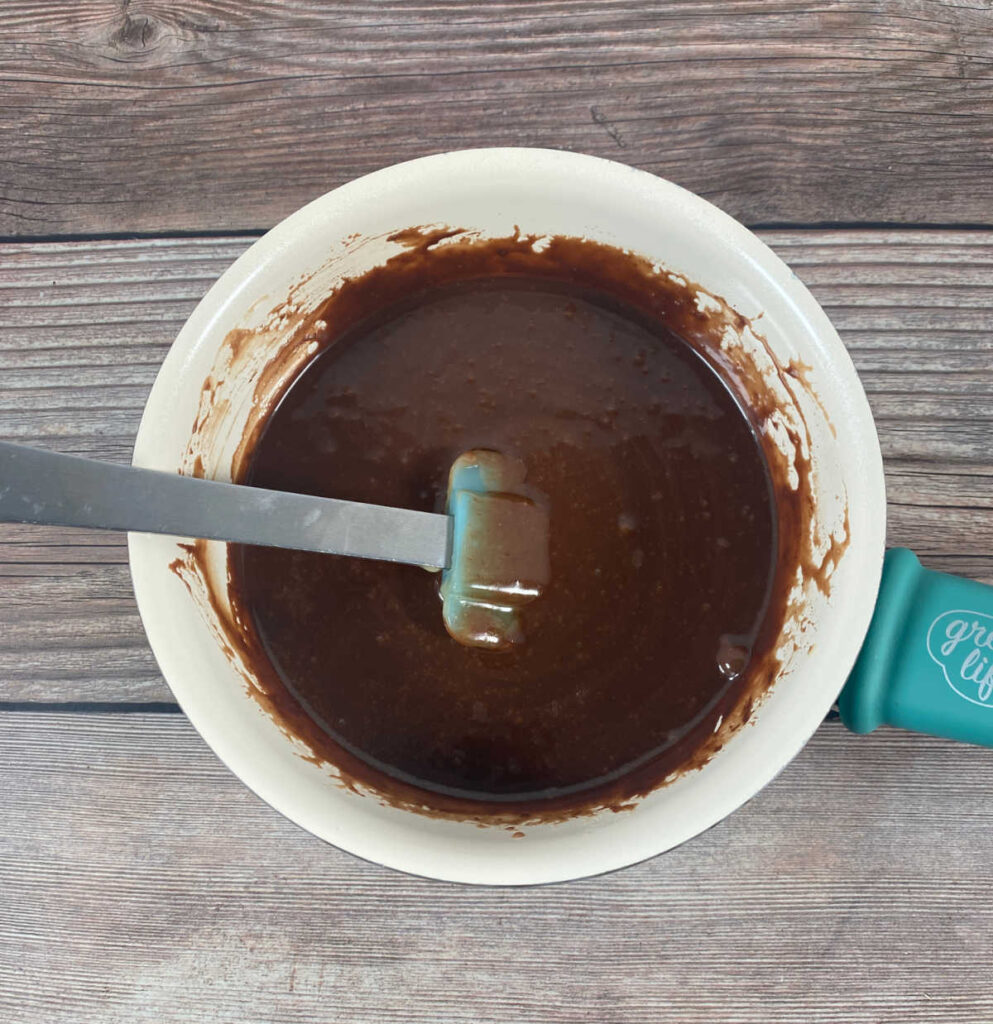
point(668, 587)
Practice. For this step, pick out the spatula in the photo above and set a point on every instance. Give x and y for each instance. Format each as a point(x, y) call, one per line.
point(495, 560)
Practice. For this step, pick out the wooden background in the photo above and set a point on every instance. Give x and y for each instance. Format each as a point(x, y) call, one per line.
point(144, 144)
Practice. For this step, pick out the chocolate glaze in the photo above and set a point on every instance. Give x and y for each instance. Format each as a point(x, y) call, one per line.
point(670, 582)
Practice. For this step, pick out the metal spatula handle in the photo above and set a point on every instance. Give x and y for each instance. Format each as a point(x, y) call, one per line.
point(47, 488)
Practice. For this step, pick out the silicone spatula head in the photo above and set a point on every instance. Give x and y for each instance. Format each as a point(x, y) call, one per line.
point(499, 557)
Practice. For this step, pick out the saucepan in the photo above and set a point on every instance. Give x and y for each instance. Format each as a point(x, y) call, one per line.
point(926, 663)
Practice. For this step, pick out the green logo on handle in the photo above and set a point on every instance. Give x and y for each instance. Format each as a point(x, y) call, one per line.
point(961, 643)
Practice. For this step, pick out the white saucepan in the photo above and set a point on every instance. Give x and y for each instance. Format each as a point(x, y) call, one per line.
point(208, 382)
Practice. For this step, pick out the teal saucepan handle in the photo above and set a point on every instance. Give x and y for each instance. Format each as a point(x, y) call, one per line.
point(927, 660)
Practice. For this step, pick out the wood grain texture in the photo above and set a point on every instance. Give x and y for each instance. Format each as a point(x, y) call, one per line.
point(143, 883)
point(156, 115)
point(83, 330)
point(84, 327)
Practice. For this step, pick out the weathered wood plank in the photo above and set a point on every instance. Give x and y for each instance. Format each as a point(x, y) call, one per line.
point(155, 115)
point(84, 326)
point(142, 882)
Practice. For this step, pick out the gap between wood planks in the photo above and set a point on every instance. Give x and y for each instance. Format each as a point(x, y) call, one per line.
point(256, 232)
point(91, 707)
